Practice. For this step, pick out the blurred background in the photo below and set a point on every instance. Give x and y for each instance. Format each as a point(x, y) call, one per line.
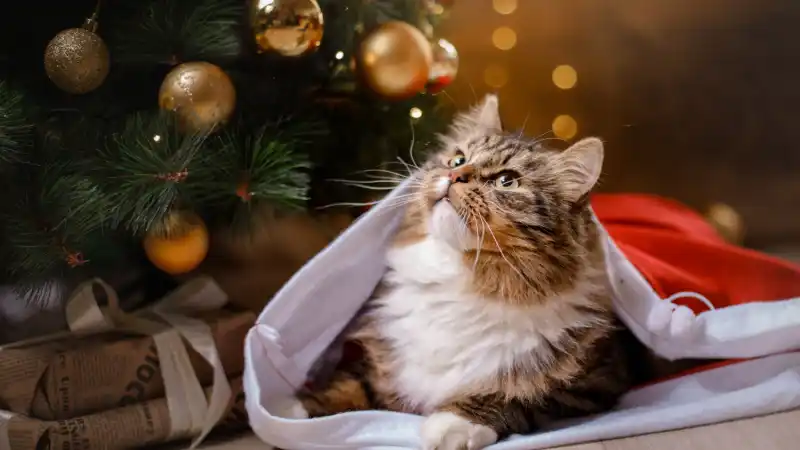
point(696, 99)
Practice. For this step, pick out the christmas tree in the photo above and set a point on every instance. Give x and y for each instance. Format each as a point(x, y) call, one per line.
point(132, 127)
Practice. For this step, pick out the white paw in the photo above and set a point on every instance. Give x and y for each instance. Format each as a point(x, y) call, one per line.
point(289, 408)
point(447, 431)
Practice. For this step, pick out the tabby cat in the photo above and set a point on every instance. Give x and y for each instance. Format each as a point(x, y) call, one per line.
point(494, 316)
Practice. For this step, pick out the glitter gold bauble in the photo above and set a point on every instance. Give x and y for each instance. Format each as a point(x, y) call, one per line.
point(394, 60)
point(444, 67)
point(287, 27)
point(77, 59)
point(200, 93)
point(178, 245)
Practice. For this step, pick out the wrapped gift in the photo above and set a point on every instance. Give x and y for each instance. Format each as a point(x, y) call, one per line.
point(111, 360)
point(132, 426)
point(80, 376)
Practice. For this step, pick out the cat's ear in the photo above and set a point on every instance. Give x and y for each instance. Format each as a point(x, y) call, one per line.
point(579, 167)
point(483, 117)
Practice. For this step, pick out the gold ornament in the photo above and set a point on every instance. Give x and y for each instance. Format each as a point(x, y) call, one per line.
point(287, 27)
point(727, 222)
point(445, 66)
point(77, 60)
point(179, 245)
point(395, 60)
point(200, 93)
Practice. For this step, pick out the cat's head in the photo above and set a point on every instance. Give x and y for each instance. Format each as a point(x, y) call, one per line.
point(504, 186)
point(506, 194)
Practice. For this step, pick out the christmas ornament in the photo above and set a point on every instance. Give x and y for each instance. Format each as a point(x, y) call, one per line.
point(287, 27)
point(77, 60)
point(394, 60)
point(444, 67)
point(727, 222)
point(178, 245)
point(200, 93)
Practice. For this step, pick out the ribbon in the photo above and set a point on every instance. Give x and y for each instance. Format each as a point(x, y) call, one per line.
point(5, 417)
point(192, 415)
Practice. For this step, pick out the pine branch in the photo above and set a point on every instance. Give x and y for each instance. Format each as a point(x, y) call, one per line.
point(47, 233)
point(173, 31)
point(143, 168)
point(266, 166)
point(16, 133)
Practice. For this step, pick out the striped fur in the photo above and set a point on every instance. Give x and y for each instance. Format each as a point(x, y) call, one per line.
point(505, 328)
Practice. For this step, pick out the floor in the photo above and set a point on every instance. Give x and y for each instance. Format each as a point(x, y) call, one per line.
point(774, 432)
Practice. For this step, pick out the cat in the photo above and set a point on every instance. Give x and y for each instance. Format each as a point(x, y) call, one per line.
point(494, 316)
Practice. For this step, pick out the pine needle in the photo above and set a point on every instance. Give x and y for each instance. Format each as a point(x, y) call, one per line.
point(172, 31)
point(16, 133)
point(143, 169)
point(268, 165)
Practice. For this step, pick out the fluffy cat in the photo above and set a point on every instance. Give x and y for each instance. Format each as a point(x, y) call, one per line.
point(494, 316)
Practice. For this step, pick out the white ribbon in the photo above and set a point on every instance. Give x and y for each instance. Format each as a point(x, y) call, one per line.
point(5, 417)
point(170, 324)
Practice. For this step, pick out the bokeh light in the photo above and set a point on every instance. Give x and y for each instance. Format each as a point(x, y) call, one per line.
point(565, 77)
point(504, 38)
point(565, 127)
point(495, 76)
point(415, 113)
point(727, 222)
point(504, 6)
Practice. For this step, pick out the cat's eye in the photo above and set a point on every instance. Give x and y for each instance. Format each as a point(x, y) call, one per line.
point(506, 180)
point(458, 160)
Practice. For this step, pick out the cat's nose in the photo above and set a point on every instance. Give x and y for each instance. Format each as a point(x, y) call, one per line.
point(459, 175)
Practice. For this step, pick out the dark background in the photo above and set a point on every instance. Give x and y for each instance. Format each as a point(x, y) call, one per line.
point(697, 99)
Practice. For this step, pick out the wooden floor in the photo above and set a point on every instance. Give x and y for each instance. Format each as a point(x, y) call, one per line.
point(775, 432)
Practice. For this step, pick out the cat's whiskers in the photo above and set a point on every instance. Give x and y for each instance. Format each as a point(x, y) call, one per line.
point(400, 200)
point(411, 145)
point(554, 138)
point(522, 131)
point(500, 249)
point(408, 166)
point(536, 138)
point(374, 172)
point(375, 185)
point(479, 237)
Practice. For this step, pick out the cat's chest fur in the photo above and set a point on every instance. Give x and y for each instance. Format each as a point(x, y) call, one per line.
point(445, 340)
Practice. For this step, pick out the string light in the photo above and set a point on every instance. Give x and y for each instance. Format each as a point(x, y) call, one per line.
point(495, 76)
point(565, 77)
point(504, 7)
point(415, 113)
point(504, 38)
point(565, 127)
point(157, 138)
point(339, 55)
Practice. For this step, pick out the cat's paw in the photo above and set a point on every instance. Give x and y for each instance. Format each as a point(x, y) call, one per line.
point(289, 408)
point(448, 431)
